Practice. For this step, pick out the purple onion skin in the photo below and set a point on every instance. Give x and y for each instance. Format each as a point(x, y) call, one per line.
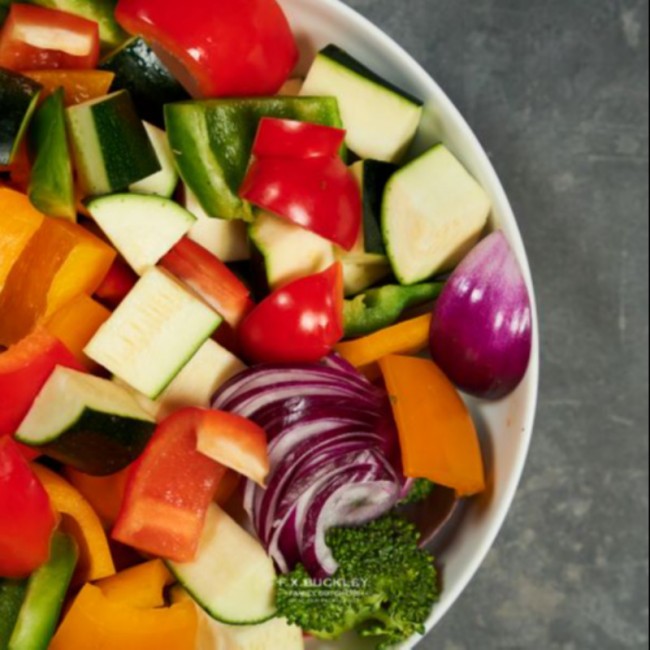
point(481, 332)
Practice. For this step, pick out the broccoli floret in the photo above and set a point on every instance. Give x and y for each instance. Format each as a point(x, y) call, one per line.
point(421, 490)
point(385, 586)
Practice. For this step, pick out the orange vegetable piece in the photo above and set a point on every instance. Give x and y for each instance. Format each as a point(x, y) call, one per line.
point(97, 621)
point(20, 169)
point(438, 438)
point(76, 323)
point(139, 586)
point(81, 521)
point(408, 337)
point(227, 488)
point(78, 85)
point(104, 493)
point(61, 261)
point(19, 222)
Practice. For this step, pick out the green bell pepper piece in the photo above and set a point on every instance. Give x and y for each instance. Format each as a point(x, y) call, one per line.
point(12, 595)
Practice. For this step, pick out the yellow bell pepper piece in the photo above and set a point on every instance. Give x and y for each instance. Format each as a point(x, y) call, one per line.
point(140, 586)
point(408, 337)
point(98, 622)
point(78, 85)
point(61, 261)
point(19, 222)
point(81, 521)
point(438, 438)
point(76, 323)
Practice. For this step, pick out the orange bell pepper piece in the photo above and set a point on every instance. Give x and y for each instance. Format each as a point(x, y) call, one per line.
point(76, 323)
point(408, 337)
point(438, 438)
point(104, 493)
point(78, 85)
point(61, 261)
point(19, 222)
point(96, 621)
point(81, 521)
point(140, 586)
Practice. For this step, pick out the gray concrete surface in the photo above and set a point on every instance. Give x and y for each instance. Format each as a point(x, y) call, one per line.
point(557, 91)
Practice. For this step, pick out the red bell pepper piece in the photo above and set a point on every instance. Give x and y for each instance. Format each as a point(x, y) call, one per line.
point(300, 322)
point(293, 139)
point(208, 276)
point(27, 520)
point(117, 284)
point(24, 369)
point(217, 48)
point(172, 485)
point(34, 38)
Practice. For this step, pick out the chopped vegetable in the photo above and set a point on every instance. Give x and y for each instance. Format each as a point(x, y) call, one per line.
point(408, 337)
point(433, 214)
point(45, 595)
point(12, 594)
point(78, 85)
point(95, 620)
point(164, 182)
point(299, 322)
point(361, 273)
point(24, 369)
point(34, 38)
point(89, 423)
point(379, 308)
point(381, 120)
point(384, 588)
point(199, 42)
point(18, 99)
point(141, 586)
point(438, 439)
point(81, 521)
point(117, 284)
point(210, 278)
point(421, 489)
point(27, 520)
point(51, 186)
point(481, 334)
point(169, 491)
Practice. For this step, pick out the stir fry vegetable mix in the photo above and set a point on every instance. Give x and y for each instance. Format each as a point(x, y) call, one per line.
point(202, 303)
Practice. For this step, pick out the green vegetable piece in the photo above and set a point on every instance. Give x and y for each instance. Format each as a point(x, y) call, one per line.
point(101, 11)
point(381, 307)
point(138, 69)
point(18, 98)
point(213, 139)
point(421, 490)
point(46, 591)
point(385, 586)
point(12, 595)
point(51, 187)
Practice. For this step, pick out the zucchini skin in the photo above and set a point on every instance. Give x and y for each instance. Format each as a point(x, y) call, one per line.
point(138, 69)
point(376, 175)
point(18, 97)
point(12, 595)
point(100, 444)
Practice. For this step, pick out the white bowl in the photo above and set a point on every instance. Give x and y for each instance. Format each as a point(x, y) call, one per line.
point(506, 426)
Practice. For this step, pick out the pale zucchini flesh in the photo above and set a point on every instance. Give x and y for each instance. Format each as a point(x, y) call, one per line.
point(153, 334)
point(433, 213)
point(232, 577)
point(164, 182)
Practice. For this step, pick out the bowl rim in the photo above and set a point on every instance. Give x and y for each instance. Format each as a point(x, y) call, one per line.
point(436, 95)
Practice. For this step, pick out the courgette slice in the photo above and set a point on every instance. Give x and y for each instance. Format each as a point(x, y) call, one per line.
point(45, 595)
point(433, 214)
point(380, 119)
point(12, 595)
point(164, 182)
point(212, 141)
point(287, 251)
point(138, 69)
point(112, 149)
point(232, 577)
point(18, 99)
point(86, 422)
point(153, 334)
point(51, 186)
point(143, 228)
point(360, 274)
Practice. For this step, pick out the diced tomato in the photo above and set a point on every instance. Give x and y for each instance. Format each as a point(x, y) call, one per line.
point(27, 520)
point(217, 48)
point(210, 278)
point(300, 322)
point(35, 38)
